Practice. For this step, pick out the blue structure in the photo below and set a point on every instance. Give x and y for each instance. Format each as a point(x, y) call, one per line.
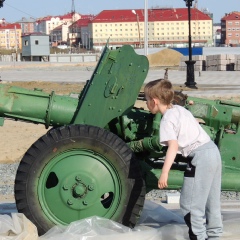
point(185, 51)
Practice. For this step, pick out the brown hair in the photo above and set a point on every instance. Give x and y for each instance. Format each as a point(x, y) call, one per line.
point(161, 89)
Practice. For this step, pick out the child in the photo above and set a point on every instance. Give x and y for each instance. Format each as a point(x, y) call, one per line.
point(179, 130)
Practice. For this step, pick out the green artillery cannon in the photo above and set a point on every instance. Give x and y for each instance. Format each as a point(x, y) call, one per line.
point(102, 154)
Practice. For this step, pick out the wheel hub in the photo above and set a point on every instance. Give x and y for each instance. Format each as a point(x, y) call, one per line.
point(70, 189)
point(79, 191)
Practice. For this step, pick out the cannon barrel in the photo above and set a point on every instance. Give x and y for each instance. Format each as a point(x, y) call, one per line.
point(36, 106)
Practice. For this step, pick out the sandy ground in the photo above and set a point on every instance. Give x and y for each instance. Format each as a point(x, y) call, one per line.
point(18, 136)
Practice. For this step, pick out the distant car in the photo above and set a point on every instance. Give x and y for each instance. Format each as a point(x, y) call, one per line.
point(62, 46)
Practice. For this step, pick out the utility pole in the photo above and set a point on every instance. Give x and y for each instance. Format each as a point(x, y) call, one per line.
point(73, 27)
point(196, 4)
point(146, 27)
point(16, 39)
point(73, 17)
point(139, 35)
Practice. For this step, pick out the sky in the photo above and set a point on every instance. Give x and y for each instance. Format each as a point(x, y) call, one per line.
point(14, 10)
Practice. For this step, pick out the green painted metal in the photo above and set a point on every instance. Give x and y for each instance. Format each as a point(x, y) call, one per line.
point(78, 192)
point(36, 106)
point(113, 87)
point(107, 101)
point(1, 121)
point(220, 119)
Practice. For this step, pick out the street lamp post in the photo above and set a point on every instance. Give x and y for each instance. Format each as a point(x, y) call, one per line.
point(86, 34)
point(146, 27)
point(139, 35)
point(190, 63)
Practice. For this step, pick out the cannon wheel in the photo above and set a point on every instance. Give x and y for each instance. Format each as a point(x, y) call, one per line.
point(75, 172)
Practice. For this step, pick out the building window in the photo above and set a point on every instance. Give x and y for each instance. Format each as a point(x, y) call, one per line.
point(36, 42)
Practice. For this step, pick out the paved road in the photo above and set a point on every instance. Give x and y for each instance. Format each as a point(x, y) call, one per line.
point(216, 83)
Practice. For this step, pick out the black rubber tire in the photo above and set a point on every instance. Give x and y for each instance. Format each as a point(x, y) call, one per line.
point(78, 136)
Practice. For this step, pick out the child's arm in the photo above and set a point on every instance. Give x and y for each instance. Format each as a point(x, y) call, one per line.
point(170, 156)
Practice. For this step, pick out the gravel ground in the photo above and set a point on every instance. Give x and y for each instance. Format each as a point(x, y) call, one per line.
point(8, 172)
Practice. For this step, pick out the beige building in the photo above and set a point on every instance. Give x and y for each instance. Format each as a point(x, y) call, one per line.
point(168, 27)
point(48, 24)
point(10, 36)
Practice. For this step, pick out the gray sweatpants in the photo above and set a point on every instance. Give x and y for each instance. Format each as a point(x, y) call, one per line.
point(200, 195)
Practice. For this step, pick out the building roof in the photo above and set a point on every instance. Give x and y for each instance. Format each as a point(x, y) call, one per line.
point(166, 14)
point(27, 20)
point(10, 26)
point(231, 16)
point(34, 34)
point(67, 16)
point(58, 28)
point(83, 22)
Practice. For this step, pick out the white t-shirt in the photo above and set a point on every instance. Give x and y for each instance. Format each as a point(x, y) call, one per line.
point(179, 124)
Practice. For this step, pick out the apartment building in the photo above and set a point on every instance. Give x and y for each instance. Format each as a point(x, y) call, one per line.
point(217, 34)
point(79, 35)
point(48, 24)
point(168, 26)
point(230, 29)
point(10, 36)
point(28, 25)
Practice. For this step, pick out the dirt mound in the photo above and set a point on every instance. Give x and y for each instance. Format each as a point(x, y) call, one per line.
point(165, 57)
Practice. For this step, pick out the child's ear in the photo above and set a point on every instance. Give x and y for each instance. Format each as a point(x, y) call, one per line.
point(156, 101)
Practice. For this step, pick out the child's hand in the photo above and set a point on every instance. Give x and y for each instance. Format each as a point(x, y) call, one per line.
point(162, 182)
